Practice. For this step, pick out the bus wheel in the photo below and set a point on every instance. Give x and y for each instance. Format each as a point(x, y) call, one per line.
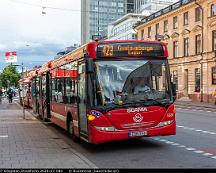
point(70, 130)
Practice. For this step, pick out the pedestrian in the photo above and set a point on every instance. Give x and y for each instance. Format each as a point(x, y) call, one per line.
point(10, 95)
point(1, 94)
point(214, 95)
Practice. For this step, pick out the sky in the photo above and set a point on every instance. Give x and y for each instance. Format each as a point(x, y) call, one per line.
point(38, 37)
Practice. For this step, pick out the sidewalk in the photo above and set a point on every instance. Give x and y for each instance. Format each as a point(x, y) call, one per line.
point(30, 144)
point(197, 104)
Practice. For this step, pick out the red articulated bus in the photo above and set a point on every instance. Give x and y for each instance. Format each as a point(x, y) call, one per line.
point(108, 90)
point(25, 85)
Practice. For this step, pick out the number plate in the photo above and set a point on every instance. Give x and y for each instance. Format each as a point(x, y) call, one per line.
point(132, 134)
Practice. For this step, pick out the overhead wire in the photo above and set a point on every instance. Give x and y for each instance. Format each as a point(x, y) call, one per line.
point(49, 7)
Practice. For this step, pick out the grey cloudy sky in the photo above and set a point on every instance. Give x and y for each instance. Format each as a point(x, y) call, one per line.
point(22, 23)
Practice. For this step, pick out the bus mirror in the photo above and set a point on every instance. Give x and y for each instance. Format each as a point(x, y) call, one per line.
point(89, 65)
point(173, 90)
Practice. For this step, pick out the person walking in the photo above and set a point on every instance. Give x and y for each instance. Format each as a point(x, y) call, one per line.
point(214, 95)
point(1, 94)
point(10, 95)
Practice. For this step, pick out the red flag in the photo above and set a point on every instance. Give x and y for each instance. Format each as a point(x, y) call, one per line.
point(10, 53)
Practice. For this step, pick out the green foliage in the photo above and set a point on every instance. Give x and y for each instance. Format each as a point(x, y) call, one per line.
point(9, 77)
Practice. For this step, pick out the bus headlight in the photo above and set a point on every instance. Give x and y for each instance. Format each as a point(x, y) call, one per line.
point(164, 123)
point(109, 129)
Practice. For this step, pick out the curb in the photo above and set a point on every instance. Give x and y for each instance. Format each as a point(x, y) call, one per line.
point(196, 105)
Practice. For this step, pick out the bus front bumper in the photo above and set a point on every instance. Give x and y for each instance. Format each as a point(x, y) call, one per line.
point(99, 136)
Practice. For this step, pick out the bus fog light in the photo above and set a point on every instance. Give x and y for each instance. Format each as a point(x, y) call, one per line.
point(109, 129)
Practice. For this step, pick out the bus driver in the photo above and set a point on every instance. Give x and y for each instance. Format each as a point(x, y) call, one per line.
point(142, 86)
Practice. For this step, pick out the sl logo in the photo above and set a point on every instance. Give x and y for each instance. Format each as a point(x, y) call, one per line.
point(108, 50)
point(138, 118)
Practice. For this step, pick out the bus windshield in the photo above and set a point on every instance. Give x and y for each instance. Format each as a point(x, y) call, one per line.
point(133, 81)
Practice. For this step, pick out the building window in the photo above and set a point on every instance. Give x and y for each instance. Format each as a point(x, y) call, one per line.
point(175, 49)
point(186, 18)
point(198, 44)
point(142, 34)
point(197, 80)
point(157, 28)
point(214, 40)
point(213, 9)
point(149, 32)
point(197, 14)
point(165, 25)
point(175, 22)
point(175, 78)
point(186, 46)
point(214, 75)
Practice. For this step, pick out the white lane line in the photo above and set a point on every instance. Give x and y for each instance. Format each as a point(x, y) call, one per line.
point(190, 149)
point(197, 130)
point(199, 151)
point(182, 146)
point(175, 144)
point(3, 136)
point(169, 142)
point(210, 155)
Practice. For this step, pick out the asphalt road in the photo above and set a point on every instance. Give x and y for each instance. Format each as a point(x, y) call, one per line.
point(194, 146)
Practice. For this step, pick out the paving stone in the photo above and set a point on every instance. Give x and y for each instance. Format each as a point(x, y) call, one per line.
point(30, 144)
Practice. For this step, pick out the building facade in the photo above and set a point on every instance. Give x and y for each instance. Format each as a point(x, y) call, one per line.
point(122, 29)
point(148, 7)
point(97, 14)
point(189, 29)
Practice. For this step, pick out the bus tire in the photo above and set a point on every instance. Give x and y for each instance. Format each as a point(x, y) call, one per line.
point(70, 129)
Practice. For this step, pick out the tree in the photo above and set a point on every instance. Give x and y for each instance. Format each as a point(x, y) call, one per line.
point(9, 76)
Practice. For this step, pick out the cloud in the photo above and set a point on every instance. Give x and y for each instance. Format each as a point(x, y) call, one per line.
point(23, 24)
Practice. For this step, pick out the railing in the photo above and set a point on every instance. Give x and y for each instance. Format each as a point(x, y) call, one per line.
point(166, 10)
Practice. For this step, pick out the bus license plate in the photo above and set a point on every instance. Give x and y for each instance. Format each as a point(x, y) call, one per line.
point(132, 134)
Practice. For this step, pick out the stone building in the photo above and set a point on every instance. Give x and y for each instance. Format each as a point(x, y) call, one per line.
point(189, 29)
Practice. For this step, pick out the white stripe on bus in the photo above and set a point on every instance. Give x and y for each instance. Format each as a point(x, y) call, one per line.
point(63, 118)
point(59, 116)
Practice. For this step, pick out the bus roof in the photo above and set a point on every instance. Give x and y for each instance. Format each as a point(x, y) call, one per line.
point(90, 49)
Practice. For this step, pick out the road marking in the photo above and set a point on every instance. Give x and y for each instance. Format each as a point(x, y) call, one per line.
point(168, 142)
point(209, 155)
point(197, 130)
point(199, 151)
point(190, 149)
point(3, 136)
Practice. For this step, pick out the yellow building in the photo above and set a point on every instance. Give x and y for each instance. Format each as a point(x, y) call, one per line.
point(192, 64)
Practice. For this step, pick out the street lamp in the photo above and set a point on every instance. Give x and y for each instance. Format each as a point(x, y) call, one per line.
point(22, 91)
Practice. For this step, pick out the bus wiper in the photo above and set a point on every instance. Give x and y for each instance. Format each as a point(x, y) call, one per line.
point(156, 101)
point(133, 102)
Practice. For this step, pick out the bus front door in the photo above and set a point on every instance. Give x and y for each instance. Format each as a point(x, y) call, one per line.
point(82, 102)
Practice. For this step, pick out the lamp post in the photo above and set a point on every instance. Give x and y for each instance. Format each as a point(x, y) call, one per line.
point(22, 91)
point(201, 64)
point(98, 18)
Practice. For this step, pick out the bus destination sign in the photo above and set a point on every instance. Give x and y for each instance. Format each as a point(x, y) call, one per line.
point(129, 49)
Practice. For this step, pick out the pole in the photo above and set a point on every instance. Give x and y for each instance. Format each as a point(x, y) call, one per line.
point(23, 91)
point(98, 20)
point(201, 64)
